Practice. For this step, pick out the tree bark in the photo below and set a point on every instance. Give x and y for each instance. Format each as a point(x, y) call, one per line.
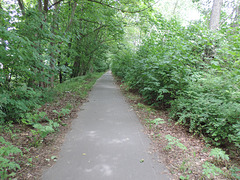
point(215, 15)
point(60, 73)
point(46, 6)
point(52, 61)
point(21, 5)
point(40, 5)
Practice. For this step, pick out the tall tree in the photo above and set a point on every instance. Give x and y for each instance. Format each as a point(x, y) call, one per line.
point(215, 14)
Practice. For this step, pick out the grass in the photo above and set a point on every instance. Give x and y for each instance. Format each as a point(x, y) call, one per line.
point(78, 85)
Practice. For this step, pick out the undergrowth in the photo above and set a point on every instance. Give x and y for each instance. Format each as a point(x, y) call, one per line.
point(38, 125)
point(214, 164)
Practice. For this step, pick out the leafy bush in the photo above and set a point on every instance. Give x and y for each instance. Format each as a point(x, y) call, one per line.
point(7, 163)
point(210, 170)
point(122, 63)
point(210, 105)
point(219, 155)
point(17, 101)
point(193, 70)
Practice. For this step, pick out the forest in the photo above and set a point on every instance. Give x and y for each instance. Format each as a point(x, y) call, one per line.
point(188, 66)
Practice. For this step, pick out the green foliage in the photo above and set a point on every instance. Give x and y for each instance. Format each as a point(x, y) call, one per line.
point(210, 170)
point(184, 178)
point(210, 105)
point(173, 141)
point(157, 121)
point(7, 163)
point(62, 44)
point(63, 112)
point(79, 85)
point(16, 102)
point(31, 119)
point(192, 70)
point(235, 172)
point(219, 155)
point(41, 131)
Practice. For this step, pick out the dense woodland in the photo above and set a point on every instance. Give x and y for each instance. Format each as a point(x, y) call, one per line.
point(190, 68)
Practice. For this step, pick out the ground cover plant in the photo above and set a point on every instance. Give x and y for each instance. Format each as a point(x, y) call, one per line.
point(186, 156)
point(33, 143)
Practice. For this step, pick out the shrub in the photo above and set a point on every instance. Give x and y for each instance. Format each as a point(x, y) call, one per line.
point(210, 105)
point(7, 163)
point(18, 101)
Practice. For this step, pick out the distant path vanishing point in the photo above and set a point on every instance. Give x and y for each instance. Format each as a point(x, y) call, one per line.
point(106, 142)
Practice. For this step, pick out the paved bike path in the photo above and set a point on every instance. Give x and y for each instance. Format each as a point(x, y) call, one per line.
point(106, 142)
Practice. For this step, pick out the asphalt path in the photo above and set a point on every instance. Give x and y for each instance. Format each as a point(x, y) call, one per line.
point(106, 142)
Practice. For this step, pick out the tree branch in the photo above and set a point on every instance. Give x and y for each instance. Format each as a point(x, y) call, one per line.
point(72, 15)
point(55, 4)
point(100, 27)
point(21, 5)
point(124, 11)
point(89, 21)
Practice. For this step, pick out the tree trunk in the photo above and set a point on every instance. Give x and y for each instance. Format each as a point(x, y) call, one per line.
point(60, 73)
point(76, 67)
point(215, 15)
point(21, 5)
point(40, 5)
point(52, 61)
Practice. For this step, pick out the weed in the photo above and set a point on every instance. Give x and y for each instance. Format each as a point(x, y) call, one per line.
point(68, 106)
point(7, 163)
point(62, 113)
point(184, 166)
point(31, 119)
point(157, 121)
point(219, 155)
point(210, 170)
point(235, 172)
point(40, 132)
point(146, 108)
point(184, 178)
point(172, 141)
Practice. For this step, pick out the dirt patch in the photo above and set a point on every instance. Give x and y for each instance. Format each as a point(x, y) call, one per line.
point(184, 153)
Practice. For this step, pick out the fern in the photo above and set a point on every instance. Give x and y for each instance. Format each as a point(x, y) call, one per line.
point(7, 163)
point(174, 141)
point(219, 154)
point(211, 170)
point(157, 121)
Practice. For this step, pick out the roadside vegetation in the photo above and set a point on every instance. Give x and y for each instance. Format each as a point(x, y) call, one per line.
point(192, 74)
point(186, 155)
point(33, 142)
point(52, 51)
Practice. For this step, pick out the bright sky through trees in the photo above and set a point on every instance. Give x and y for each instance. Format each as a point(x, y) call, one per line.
point(183, 10)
